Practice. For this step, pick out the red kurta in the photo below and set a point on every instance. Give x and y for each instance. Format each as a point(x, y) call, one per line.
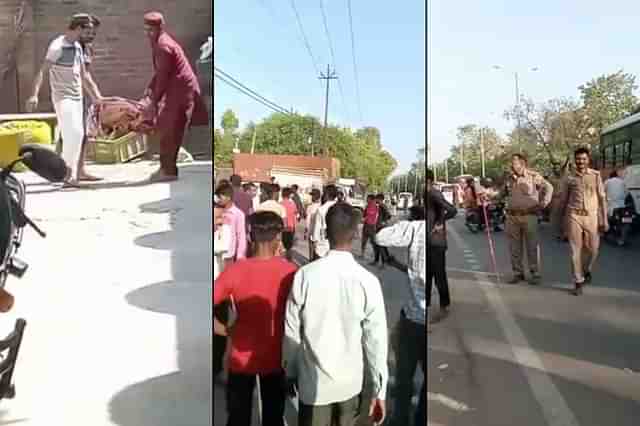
point(176, 85)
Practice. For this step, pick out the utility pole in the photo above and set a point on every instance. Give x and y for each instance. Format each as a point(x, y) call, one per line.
point(330, 75)
point(446, 170)
point(518, 123)
point(462, 157)
point(253, 139)
point(482, 152)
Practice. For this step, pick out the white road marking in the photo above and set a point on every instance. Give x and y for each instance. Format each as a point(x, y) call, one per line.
point(450, 403)
point(554, 407)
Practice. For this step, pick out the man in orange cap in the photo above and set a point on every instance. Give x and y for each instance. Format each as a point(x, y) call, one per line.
point(175, 95)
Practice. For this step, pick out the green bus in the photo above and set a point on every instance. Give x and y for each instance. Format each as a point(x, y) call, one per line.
point(619, 146)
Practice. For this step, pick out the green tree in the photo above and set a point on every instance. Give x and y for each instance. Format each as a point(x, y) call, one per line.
point(229, 122)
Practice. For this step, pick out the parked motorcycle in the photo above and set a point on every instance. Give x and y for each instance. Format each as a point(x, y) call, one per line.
point(13, 220)
point(620, 224)
point(475, 219)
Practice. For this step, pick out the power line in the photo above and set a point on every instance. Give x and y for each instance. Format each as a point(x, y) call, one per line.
point(355, 67)
point(304, 38)
point(333, 56)
point(229, 80)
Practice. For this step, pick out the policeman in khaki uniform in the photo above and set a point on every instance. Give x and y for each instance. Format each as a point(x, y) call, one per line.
point(583, 203)
point(527, 194)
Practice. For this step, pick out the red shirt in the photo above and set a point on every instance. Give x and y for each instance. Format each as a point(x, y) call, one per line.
point(260, 289)
point(292, 212)
point(371, 214)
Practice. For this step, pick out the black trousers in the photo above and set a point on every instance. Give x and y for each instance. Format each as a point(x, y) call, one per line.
point(411, 350)
point(436, 270)
point(221, 312)
point(240, 398)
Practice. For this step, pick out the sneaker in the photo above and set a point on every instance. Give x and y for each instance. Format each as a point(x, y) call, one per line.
point(587, 278)
point(577, 291)
point(518, 278)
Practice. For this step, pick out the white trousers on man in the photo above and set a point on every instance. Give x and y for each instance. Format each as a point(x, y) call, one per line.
point(70, 121)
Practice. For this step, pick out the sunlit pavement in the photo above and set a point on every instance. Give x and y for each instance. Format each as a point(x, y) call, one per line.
point(535, 356)
point(395, 289)
point(117, 302)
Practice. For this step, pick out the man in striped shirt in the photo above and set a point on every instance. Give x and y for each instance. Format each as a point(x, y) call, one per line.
point(412, 330)
point(68, 76)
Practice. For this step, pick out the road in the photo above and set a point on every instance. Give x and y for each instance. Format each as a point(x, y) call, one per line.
point(535, 356)
point(117, 301)
point(395, 290)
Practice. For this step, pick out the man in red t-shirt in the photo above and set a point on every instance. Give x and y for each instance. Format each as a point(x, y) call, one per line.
point(258, 287)
point(289, 233)
point(371, 213)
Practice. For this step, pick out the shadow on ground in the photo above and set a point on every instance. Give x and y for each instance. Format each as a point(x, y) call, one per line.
point(183, 397)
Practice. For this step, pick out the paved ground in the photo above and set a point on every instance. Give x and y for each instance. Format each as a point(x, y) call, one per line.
point(395, 291)
point(536, 356)
point(117, 301)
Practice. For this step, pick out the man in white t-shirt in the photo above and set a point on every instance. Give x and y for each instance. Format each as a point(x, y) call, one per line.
point(616, 191)
point(319, 226)
point(272, 204)
point(65, 62)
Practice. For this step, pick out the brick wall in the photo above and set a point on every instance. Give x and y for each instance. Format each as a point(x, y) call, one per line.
point(123, 63)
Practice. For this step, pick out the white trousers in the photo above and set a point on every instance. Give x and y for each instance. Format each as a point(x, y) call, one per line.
point(70, 115)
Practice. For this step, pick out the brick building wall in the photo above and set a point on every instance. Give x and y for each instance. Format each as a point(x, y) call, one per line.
point(123, 64)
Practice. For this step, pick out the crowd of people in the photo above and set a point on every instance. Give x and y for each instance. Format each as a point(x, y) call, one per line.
point(580, 206)
point(316, 332)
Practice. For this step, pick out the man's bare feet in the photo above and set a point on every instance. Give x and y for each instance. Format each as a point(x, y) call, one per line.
point(159, 176)
point(84, 176)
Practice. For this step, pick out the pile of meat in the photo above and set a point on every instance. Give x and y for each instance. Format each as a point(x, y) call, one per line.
point(117, 117)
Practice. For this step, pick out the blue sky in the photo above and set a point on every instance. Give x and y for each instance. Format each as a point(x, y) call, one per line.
point(570, 41)
point(258, 42)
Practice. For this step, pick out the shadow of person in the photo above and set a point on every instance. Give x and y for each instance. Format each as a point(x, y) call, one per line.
point(183, 397)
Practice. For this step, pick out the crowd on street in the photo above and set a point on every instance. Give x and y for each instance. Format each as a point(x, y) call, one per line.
point(317, 332)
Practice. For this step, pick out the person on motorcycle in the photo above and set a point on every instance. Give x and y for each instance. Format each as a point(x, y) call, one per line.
point(474, 198)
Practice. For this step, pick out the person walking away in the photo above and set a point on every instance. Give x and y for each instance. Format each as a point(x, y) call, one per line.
point(371, 213)
point(271, 204)
point(320, 239)
point(616, 191)
point(310, 214)
point(87, 38)
point(252, 191)
point(241, 199)
point(295, 197)
point(68, 77)
point(335, 317)
point(175, 97)
point(259, 287)
point(289, 232)
point(381, 254)
point(584, 204)
point(411, 330)
point(527, 194)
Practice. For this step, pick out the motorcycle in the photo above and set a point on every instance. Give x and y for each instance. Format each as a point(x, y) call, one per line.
point(475, 219)
point(620, 224)
point(13, 220)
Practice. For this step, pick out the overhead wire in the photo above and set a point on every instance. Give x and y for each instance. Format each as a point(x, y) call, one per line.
point(355, 66)
point(333, 56)
point(234, 83)
point(305, 40)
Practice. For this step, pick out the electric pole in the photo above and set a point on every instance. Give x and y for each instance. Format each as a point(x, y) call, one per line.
point(482, 152)
point(330, 75)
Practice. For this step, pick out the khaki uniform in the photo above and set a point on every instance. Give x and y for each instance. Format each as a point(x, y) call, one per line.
point(584, 206)
point(525, 194)
point(556, 216)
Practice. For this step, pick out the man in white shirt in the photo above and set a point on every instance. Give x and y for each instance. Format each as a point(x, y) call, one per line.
point(65, 63)
point(335, 317)
point(616, 191)
point(319, 226)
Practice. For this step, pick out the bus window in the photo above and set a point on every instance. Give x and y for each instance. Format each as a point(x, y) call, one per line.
point(609, 160)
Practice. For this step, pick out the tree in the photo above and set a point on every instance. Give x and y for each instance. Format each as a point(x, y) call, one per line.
point(229, 122)
point(609, 98)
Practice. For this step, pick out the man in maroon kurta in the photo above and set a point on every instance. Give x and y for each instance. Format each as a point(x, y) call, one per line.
point(175, 94)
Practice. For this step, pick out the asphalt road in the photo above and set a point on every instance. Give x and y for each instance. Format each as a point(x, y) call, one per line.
point(535, 356)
